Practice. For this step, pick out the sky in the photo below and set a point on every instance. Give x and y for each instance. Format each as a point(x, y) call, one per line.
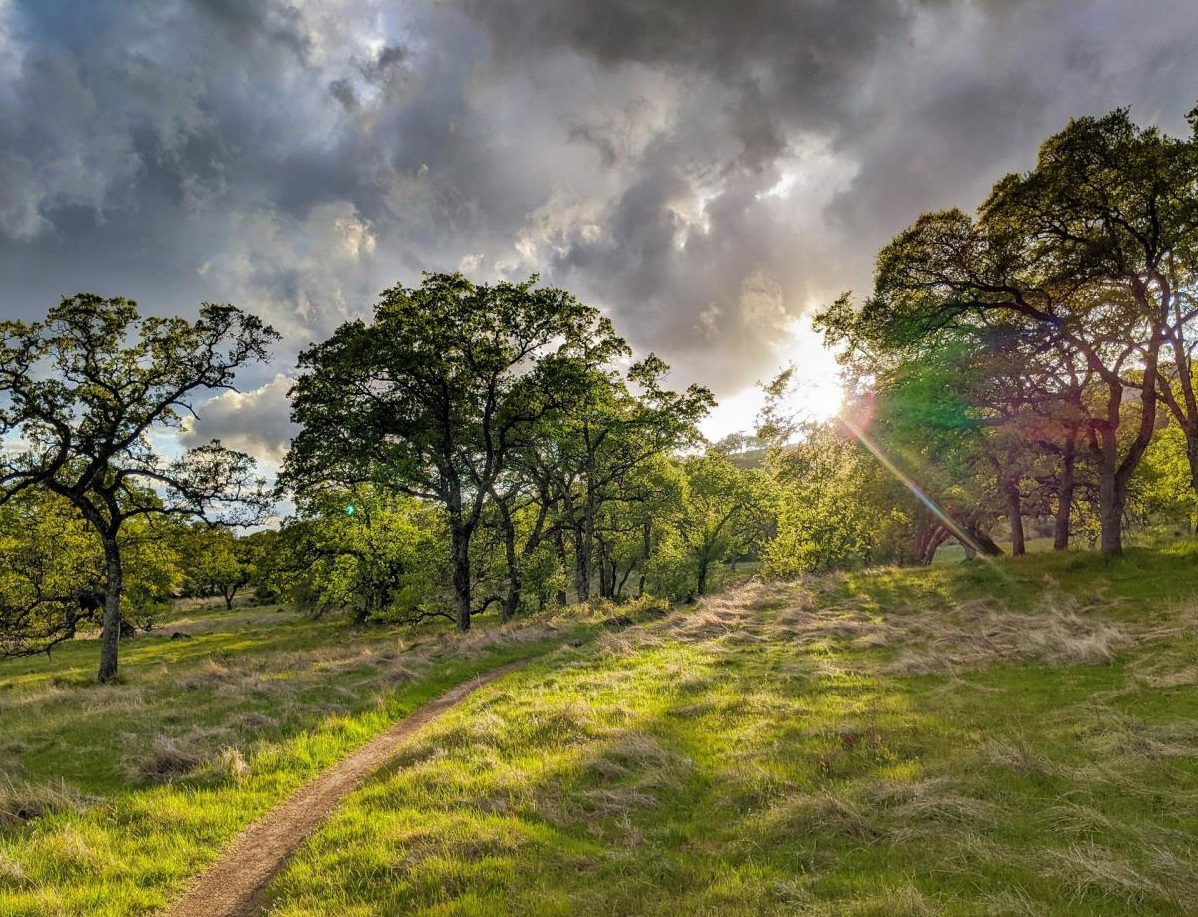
point(708, 172)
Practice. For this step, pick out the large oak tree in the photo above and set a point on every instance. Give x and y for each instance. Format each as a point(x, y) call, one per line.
point(1093, 248)
point(85, 391)
point(433, 396)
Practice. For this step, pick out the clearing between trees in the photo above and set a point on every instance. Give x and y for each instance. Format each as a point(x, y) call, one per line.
point(1016, 738)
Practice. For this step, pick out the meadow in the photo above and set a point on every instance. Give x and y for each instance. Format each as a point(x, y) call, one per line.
point(112, 797)
point(1009, 738)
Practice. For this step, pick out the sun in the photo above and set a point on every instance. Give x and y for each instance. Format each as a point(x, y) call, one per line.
point(815, 393)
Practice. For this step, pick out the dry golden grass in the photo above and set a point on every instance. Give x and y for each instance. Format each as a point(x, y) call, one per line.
point(1018, 757)
point(821, 813)
point(232, 762)
point(169, 759)
point(1060, 630)
point(12, 874)
point(1118, 734)
point(928, 803)
point(1077, 819)
point(1011, 902)
point(980, 632)
point(1091, 869)
point(22, 802)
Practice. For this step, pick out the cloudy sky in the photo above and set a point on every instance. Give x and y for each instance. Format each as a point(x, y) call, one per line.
point(707, 171)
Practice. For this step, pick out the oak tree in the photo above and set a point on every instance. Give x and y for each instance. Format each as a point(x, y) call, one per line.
point(86, 390)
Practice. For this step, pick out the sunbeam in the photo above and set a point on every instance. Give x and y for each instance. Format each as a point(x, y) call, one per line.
point(919, 493)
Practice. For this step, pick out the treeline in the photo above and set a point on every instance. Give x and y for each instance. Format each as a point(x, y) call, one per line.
point(496, 447)
point(1036, 359)
point(516, 453)
point(472, 448)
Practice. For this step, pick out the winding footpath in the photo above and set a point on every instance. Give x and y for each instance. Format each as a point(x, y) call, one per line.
point(234, 885)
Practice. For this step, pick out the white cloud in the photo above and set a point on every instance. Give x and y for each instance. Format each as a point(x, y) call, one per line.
point(257, 422)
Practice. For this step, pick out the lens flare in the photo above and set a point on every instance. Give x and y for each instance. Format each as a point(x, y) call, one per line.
point(949, 523)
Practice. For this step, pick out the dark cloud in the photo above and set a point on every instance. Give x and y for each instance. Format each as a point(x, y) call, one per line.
point(704, 170)
point(246, 22)
point(791, 56)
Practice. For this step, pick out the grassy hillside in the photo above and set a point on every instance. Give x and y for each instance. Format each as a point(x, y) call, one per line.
point(1011, 740)
point(1017, 738)
point(111, 798)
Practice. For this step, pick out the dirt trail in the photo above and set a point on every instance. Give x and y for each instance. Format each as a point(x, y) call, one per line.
point(234, 884)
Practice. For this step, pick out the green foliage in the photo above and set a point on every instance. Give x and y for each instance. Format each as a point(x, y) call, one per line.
point(217, 562)
point(544, 578)
point(670, 571)
point(152, 570)
point(604, 460)
point(1039, 337)
point(434, 396)
point(503, 406)
point(385, 561)
point(52, 572)
point(724, 511)
point(86, 390)
point(1163, 486)
point(826, 518)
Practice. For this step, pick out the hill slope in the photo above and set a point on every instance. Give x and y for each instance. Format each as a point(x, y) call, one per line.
point(1018, 738)
point(112, 798)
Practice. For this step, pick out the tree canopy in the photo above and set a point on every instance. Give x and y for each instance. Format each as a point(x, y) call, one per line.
point(85, 389)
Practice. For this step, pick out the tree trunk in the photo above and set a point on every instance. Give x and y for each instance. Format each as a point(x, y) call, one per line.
point(1060, 535)
point(582, 568)
point(110, 633)
point(511, 602)
point(1110, 513)
point(1185, 410)
point(646, 547)
point(930, 534)
point(605, 585)
point(701, 585)
point(460, 548)
point(982, 542)
point(941, 535)
point(586, 547)
point(623, 580)
point(559, 546)
point(1114, 476)
point(1015, 518)
point(1191, 434)
point(1110, 505)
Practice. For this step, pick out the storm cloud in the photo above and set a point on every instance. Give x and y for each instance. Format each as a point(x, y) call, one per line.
point(705, 171)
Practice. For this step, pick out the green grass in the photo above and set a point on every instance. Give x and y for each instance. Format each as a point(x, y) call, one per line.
point(111, 798)
point(1016, 739)
point(954, 553)
point(1008, 738)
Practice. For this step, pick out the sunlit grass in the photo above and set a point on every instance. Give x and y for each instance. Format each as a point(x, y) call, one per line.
point(111, 798)
point(953, 741)
point(759, 755)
